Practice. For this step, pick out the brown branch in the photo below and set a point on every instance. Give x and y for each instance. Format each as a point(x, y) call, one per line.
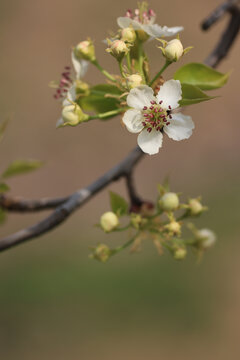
point(66, 206)
point(75, 201)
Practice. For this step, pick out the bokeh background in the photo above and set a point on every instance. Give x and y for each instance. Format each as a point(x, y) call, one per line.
point(55, 303)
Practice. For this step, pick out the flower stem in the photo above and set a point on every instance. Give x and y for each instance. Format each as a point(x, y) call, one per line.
point(104, 72)
point(107, 114)
point(129, 64)
point(120, 63)
point(167, 63)
point(124, 246)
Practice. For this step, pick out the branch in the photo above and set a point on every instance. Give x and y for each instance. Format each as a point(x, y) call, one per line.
point(66, 206)
point(73, 202)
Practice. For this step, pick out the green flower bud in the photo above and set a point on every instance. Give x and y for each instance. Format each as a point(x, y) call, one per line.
point(134, 81)
point(85, 50)
point(109, 221)
point(128, 35)
point(72, 115)
point(173, 227)
point(102, 253)
point(180, 253)
point(118, 49)
point(136, 220)
point(195, 207)
point(169, 202)
point(206, 237)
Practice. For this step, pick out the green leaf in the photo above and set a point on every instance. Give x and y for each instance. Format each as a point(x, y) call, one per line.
point(3, 125)
point(201, 76)
point(99, 101)
point(21, 166)
point(192, 95)
point(118, 204)
point(4, 187)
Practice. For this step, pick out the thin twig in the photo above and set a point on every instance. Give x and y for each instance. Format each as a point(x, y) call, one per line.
point(66, 206)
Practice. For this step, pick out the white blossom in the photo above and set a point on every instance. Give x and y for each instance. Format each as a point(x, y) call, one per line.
point(152, 115)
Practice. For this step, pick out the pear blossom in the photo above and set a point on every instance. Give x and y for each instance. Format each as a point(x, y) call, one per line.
point(146, 21)
point(151, 115)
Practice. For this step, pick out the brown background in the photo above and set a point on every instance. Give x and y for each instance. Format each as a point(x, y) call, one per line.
point(57, 304)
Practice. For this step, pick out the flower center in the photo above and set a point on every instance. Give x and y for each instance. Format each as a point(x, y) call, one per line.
point(155, 117)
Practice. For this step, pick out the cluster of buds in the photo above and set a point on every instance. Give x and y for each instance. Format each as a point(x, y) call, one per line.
point(165, 234)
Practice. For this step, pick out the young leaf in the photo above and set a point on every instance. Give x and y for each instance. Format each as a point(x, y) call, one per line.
point(201, 76)
point(100, 100)
point(21, 166)
point(3, 188)
point(192, 95)
point(118, 204)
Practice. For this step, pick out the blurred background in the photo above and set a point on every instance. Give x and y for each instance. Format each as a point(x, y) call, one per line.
point(55, 303)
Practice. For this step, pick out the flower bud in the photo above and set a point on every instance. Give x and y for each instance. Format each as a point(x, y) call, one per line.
point(118, 49)
point(109, 221)
point(136, 220)
point(195, 207)
point(173, 227)
point(207, 238)
point(134, 81)
point(85, 50)
point(101, 253)
point(169, 202)
point(173, 50)
point(180, 253)
point(128, 35)
point(72, 115)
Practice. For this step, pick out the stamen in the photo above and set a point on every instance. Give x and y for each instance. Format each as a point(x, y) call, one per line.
point(149, 130)
point(160, 102)
point(167, 123)
point(169, 107)
point(145, 108)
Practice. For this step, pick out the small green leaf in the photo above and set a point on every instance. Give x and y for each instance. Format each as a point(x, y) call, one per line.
point(192, 95)
point(3, 125)
point(201, 76)
point(118, 204)
point(21, 166)
point(4, 187)
point(2, 216)
point(100, 100)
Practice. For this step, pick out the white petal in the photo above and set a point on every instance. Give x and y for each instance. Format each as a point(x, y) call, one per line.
point(180, 127)
point(59, 123)
point(150, 142)
point(80, 66)
point(124, 22)
point(71, 95)
point(159, 31)
point(170, 93)
point(133, 120)
point(140, 96)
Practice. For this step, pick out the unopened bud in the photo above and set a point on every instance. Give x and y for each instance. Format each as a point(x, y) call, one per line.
point(134, 81)
point(109, 221)
point(174, 50)
point(207, 238)
point(72, 115)
point(101, 253)
point(169, 202)
point(136, 220)
point(180, 253)
point(128, 35)
point(118, 49)
point(174, 228)
point(85, 50)
point(195, 207)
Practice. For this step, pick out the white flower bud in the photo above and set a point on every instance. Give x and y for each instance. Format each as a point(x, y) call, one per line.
point(134, 81)
point(109, 221)
point(169, 201)
point(173, 50)
point(174, 228)
point(85, 50)
point(207, 238)
point(101, 253)
point(128, 35)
